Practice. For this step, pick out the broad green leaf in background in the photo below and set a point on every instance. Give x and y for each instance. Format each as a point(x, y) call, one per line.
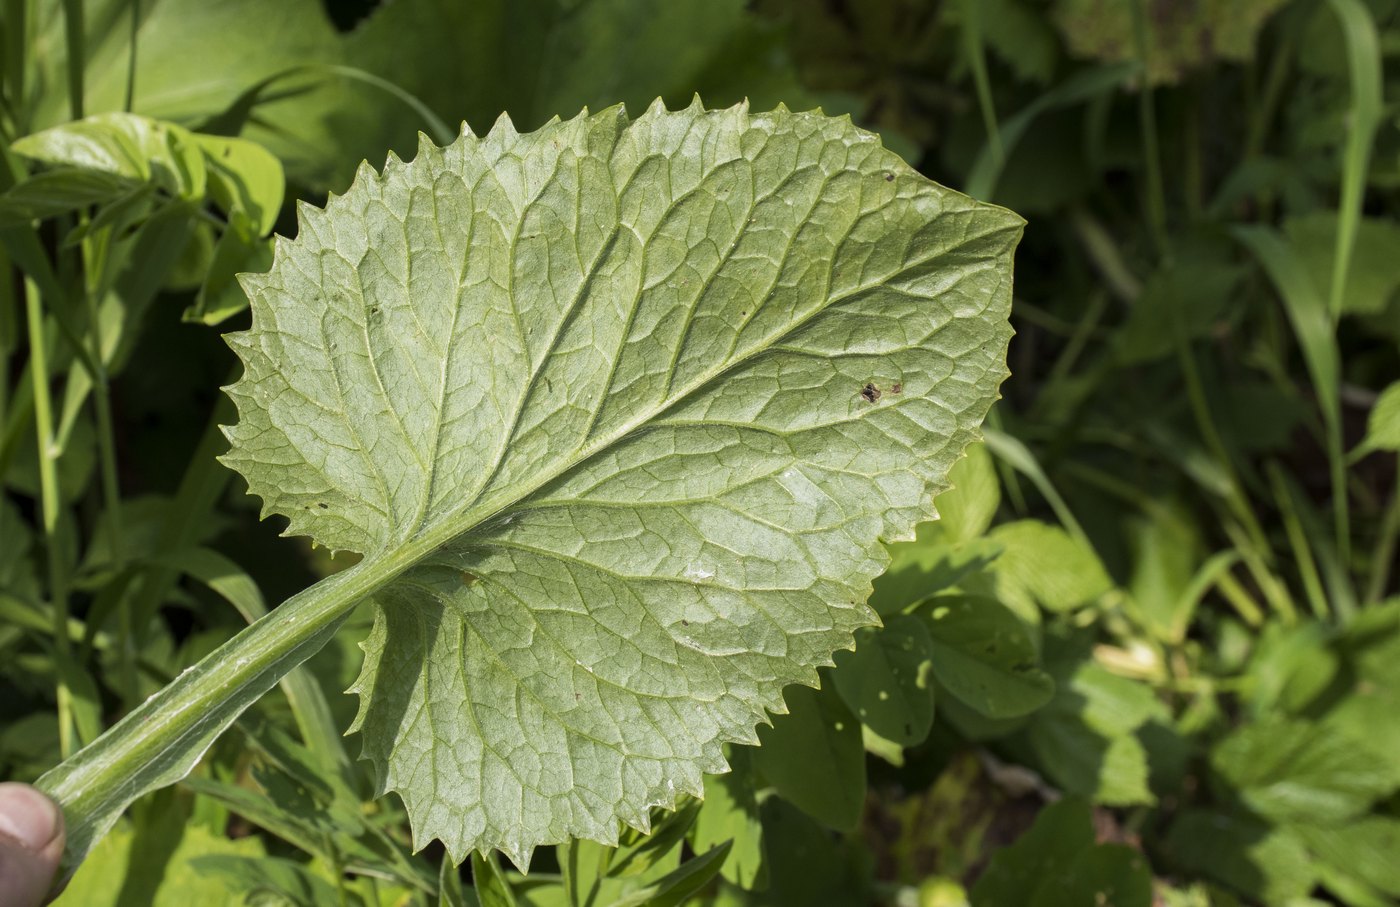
point(129, 868)
point(1295, 770)
point(1044, 565)
point(1181, 37)
point(885, 681)
point(1087, 738)
point(1268, 863)
point(340, 97)
point(1372, 277)
point(730, 812)
point(983, 655)
point(134, 148)
point(617, 414)
point(927, 565)
point(1058, 864)
point(1363, 849)
point(1061, 831)
point(967, 509)
point(1383, 426)
point(814, 758)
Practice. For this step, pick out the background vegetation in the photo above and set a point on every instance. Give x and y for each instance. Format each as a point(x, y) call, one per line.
point(1152, 651)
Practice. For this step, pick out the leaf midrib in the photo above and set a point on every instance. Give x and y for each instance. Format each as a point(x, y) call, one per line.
point(435, 535)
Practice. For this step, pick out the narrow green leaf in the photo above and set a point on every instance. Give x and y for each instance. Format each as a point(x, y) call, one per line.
point(1079, 88)
point(451, 892)
point(492, 887)
point(1364, 118)
point(677, 886)
point(1307, 311)
point(59, 191)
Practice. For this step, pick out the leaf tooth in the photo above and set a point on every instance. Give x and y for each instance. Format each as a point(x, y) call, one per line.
point(521, 853)
point(656, 108)
point(309, 216)
point(364, 174)
point(426, 146)
point(503, 130)
point(696, 105)
point(640, 820)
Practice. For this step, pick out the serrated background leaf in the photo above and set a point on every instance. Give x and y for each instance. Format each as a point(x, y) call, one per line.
point(629, 407)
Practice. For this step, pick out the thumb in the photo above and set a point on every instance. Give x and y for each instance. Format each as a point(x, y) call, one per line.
point(31, 844)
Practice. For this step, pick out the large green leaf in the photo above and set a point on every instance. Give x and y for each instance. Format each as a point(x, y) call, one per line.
point(625, 407)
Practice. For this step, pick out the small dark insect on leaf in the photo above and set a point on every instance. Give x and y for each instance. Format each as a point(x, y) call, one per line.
point(889, 177)
point(871, 393)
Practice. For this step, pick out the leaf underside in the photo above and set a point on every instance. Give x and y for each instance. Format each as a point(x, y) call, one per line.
point(649, 394)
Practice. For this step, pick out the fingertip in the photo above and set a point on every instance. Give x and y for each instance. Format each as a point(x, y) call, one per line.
point(29, 818)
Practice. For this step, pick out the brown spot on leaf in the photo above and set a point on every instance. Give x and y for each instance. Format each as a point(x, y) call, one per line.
point(870, 392)
point(469, 579)
point(896, 388)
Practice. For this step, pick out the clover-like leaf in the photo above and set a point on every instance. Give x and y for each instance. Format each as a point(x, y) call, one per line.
point(624, 408)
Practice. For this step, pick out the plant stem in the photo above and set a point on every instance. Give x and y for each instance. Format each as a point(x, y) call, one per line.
point(130, 97)
point(1385, 548)
point(49, 504)
point(77, 58)
point(977, 60)
point(1151, 149)
point(17, 42)
point(161, 740)
point(1297, 539)
point(1274, 80)
point(94, 264)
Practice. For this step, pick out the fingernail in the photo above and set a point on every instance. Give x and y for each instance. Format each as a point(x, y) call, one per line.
point(27, 816)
